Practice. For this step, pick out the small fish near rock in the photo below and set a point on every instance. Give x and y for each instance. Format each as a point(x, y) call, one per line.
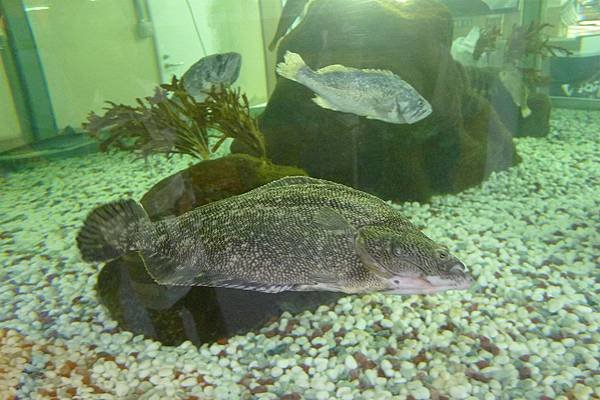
point(296, 233)
point(211, 72)
point(372, 93)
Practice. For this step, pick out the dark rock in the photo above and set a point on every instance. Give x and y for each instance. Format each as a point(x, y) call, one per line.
point(209, 181)
point(538, 123)
point(457, 146)
point(173, 315)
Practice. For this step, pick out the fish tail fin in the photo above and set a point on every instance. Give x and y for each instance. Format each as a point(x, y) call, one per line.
point(291, 66)
point(106, 232)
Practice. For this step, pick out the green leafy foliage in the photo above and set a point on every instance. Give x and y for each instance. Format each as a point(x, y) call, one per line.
point(173, 122)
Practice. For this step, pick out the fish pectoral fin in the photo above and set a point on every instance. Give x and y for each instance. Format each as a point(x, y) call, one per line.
point(330, 219)
point(168, 271)
point(321, 102)
point(368, 261)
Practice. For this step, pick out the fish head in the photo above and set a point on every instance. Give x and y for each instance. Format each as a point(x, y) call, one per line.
point(211, 71)
point(410, 262)
point(413, 107)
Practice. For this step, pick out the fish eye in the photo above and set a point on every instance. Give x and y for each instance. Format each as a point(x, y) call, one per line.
point(397, 249)
point(442, 254)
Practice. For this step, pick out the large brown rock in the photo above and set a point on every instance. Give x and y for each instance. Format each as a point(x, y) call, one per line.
point(398, 162)
point(209, 181)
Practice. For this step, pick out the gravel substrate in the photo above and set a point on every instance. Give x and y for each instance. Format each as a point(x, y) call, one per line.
point(528, 329)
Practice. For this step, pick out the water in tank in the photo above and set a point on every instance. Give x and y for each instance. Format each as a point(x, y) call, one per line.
point(301, 199)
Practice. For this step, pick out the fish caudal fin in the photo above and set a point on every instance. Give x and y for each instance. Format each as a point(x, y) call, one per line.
point(291, 66)
point(107, 229)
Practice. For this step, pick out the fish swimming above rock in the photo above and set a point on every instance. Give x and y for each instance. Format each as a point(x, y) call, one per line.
point(210, 72)
point(295, 233)
point(375, 94)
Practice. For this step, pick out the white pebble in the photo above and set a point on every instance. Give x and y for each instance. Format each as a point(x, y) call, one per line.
point(350, 362)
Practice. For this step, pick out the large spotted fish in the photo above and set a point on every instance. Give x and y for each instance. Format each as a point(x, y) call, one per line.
point(372, 93)
point(296, 233)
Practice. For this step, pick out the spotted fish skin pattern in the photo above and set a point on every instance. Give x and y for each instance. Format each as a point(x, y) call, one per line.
point(374, 94)
point(296, 233)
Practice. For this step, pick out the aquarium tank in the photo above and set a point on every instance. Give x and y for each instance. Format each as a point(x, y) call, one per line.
point(301, 199)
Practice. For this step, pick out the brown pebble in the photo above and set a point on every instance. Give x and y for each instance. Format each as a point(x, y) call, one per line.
point(270, 334)
point(71, 391)
point(410, 397)
point(524, 373)
point(67, 368)
point(86, 379)
point(354, 374)
point(363, 361)
point(291, 396)
point(265, 381)
point(473, 307)
point(545, 398)
point(200, 379)
point(449, 326)
point(106, 356)
point(419, 358)
point(524, 357)
point(259, 389)
point(96, 388)
point(482, 364)
point(222, 341)
point(317, 333)
point(488, 346)
point(478, 376)
point(391, 351)
point(326, 327)
point(192, 398)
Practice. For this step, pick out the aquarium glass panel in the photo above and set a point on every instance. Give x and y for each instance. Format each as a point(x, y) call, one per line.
point(301, 199)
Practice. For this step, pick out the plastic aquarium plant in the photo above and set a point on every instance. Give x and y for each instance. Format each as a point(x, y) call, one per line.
point(519, 73)
point(173, 122)
point(530, 41)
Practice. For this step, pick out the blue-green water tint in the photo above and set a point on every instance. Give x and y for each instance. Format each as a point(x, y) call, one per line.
point(520, 212)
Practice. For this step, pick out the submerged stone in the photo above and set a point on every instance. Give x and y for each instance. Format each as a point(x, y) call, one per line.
point(172, 314)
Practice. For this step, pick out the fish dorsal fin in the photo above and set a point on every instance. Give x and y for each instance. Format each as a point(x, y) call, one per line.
point(295, 180)
point(378, 71)
point(330, 219)
point(343, 68)
point(360, 242)
point(336, 68)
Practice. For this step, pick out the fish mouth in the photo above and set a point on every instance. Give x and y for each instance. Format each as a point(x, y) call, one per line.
point(429, 284)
